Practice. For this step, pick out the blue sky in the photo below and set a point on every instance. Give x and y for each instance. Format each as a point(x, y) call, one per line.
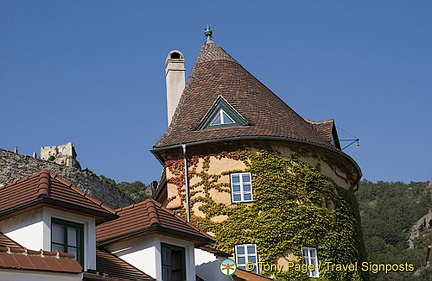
point(91, 72)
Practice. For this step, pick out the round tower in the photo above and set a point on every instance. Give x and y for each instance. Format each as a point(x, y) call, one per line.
point(273, 188)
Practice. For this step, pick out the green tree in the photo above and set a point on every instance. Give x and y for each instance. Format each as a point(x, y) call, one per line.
point(137, 190)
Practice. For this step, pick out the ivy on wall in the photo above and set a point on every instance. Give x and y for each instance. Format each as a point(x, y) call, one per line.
point(294, 206)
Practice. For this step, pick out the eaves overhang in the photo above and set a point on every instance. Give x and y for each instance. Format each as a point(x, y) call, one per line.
point(43, 200)
point(156, 150)
point(156, 228)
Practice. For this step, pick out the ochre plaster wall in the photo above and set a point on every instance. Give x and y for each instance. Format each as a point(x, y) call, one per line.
point(219, 168)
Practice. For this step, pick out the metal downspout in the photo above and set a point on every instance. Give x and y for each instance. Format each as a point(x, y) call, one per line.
point(186, 175)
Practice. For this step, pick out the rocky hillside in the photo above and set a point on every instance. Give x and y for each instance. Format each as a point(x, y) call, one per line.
point(15, 166)
point(397, 226)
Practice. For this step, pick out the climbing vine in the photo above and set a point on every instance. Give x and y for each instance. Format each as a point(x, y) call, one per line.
point(291, 209)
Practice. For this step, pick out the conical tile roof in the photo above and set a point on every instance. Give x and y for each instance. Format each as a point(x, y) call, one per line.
point(216, 74)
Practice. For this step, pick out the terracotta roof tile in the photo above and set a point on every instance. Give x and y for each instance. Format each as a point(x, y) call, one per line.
point(90, 276)
point(249, 276)
point(323, 127)
point(148, 216)
point(46, 187)
point(23, 259)
point(114, 267)
point(215, 251)
point(215, 74)
point(7, 242)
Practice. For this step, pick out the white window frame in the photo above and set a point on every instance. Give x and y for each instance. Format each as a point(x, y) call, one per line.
point(220, 114)
point(242, 192)
point(310, 256)
point(247, 256)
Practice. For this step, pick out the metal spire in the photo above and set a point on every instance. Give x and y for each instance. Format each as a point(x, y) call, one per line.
point(208, 32)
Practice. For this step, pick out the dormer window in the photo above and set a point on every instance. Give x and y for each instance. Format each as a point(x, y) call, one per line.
point(68, 237)
point(222, 118)
point(221, 114)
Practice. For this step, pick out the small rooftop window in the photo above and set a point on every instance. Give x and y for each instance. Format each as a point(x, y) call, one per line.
point(222, 118)
point(221, 114)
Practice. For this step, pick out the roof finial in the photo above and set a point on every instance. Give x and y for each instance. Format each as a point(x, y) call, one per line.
point(208, 32)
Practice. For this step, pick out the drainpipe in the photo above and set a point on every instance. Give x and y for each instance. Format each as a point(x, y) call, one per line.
point(186, 175)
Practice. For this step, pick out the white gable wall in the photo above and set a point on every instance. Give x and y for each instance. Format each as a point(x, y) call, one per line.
point(33, 230)
point(207, 266)
point(27, 229)
point(139, 252)
point(145, 253)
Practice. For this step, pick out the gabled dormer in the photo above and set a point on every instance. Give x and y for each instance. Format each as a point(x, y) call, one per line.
point(45, 212)
point(221, 114)
point(153, 239)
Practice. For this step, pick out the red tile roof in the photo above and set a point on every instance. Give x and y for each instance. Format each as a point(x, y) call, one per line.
point(215, 251)
point(147, 217)
point(23, 259)
point(325, 128)
point(7, 242)
point(215, 74)
point(114, 267)
point(241, 275)
point(46, 188)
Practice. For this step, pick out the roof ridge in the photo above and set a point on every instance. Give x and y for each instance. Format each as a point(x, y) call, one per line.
point(131, 206)
point(149, 216)
point(211, 52)
point(82, 193)
point(44, 184)
point(24, 259)
point(319, 122)
point(182, 219)
point(41, 253)
point(152, 212)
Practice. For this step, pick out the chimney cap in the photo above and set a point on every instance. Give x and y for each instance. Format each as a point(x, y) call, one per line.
point(175, 55)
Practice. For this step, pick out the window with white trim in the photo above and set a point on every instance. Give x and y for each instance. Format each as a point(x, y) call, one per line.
point(221, 118)
point(221, 114)
point(246, 253)
point(241, 187)
point(310, 257)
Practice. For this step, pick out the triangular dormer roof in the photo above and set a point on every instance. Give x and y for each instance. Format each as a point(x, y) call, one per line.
point(221, 114)
point(216, 74)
